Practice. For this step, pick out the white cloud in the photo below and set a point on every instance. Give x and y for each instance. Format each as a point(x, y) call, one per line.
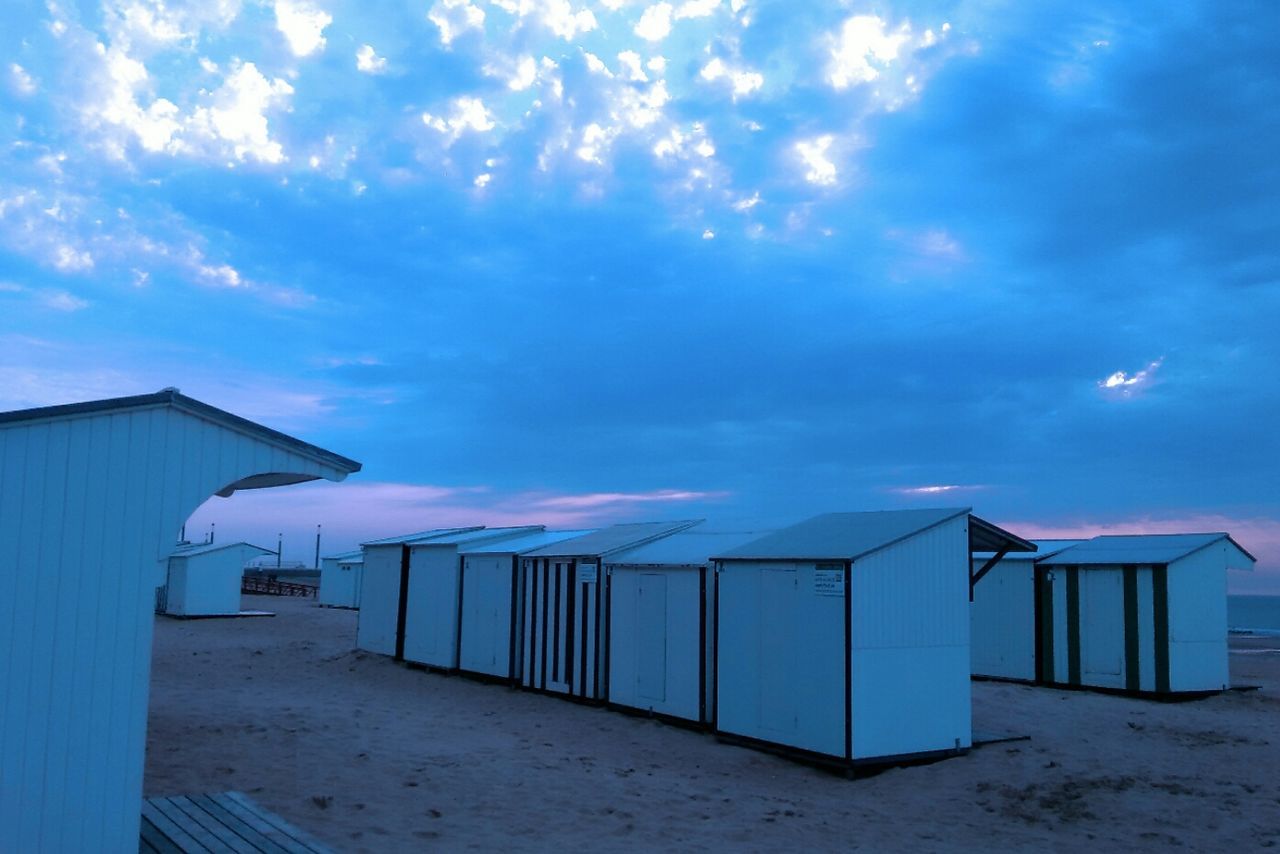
point(68, 259)
point(595, 64)
point(62, 301)
point(629, 61)
point(1124, 384)
point(864, 47)
point(820, 170)
point(455, 17)
point(747, 203)
point(708, 234)
point(526, 74)
point(22, 82)
point(743, 82)
point(469, 116)
point(482, 180)
point(655, 22)
point(696, 8)
point(302, 25)
point(238, 117)
point(222, 275)
point(368, 61)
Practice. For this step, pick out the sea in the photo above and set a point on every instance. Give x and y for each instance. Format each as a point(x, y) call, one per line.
point(1255, 614)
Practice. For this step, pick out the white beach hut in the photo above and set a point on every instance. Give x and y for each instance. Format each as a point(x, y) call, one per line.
point(1142, 614)
point(563, 600)
point(203, 579)
point(92, 496)
point(662, 620)
point(1002, 628)
point(432, 615)
point(383, 579)
point(340, 580)
point(490, 585)
point(845, 638)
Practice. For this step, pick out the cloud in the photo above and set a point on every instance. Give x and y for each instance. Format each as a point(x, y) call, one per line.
point(20, 80)
point(818, 166)
point(469, 116)
point(455, 17)
point(934, 489)
point(302, 25)
point(742, 82)
point(655, 22)
point(1125, 385)
point(368, 61)
point(62, 301)
point(237, 114)
point(357, 511)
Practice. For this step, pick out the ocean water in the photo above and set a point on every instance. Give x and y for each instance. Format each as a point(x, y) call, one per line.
point(1254, 613)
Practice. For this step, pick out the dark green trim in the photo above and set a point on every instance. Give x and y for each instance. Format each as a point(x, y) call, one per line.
point(1044, 617)
point(1073, 625)
point(1160, 611)
point(1132, 666)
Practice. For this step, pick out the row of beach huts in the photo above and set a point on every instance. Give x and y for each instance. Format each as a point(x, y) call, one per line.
point(849, 638)
point(846, 638)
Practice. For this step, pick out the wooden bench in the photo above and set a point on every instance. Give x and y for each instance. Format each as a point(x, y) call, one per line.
point(229, 822)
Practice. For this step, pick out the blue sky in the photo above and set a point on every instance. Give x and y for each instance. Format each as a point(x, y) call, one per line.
point(580, 262)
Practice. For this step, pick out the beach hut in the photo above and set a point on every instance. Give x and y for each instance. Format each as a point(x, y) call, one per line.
point(490, 584)
point(340, 580)
point(1141, 614)
point(92, 496)
point(432, 589)
point(661, 622)
point(380, 627)
point(1002, 631)
point(563, 601)
point(203, 580)
point(845, 639)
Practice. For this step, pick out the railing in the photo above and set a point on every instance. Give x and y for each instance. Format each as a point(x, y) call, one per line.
point(272, 587)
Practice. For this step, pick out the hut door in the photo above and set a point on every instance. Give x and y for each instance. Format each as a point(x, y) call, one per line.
point(651, 636)
point(1102, 627)
point(777, 639)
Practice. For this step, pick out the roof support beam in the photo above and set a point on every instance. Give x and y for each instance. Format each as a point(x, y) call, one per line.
point(975, 577)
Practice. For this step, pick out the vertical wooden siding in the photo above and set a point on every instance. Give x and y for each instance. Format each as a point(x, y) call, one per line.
point(90, 505)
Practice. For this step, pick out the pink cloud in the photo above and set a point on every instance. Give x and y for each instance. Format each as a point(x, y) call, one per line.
point(934, 489)
point(355, 512)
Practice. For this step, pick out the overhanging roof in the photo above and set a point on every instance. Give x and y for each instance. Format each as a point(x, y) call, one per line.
point(347, 557)
point(520, 545)
point(850, 536)
point(171, 397)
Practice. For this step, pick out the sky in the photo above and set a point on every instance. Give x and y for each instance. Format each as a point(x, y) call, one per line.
point(574, 263)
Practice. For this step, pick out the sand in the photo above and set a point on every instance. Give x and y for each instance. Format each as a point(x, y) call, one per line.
point(368, 755)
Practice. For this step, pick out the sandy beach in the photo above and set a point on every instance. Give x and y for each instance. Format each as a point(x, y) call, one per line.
point(368, 755)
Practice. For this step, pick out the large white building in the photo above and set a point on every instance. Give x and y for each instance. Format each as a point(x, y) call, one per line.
point(92, 497)
point(845, 638)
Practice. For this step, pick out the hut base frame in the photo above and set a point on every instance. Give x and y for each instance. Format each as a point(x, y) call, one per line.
point(837, 764)
point(661, 717)
point(1156, 696)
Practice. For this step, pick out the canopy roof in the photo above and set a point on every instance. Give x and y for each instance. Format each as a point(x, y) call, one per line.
point(338, 466)
point(849, 536)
